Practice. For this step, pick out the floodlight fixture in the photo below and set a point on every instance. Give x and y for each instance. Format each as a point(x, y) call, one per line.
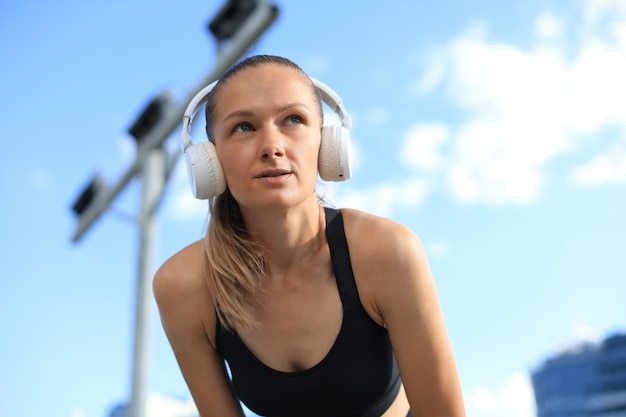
point(150, 116)
point(88, 195)
point(231, 17)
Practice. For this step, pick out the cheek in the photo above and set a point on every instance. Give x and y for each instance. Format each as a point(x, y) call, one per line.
point(232, 165)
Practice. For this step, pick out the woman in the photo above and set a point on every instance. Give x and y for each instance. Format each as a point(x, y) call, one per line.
point(318, 312)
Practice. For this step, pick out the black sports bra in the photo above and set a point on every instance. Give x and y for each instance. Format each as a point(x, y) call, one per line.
point(359, 376)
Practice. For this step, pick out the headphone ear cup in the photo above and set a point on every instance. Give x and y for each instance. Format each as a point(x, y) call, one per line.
point(335, 158)
point(204, 170)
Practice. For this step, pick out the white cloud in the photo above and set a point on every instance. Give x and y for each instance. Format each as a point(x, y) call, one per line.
point(422, 146)
point(514, 398)
point(433, 74)
point(596, 88)
point(607, 167)
point(595, 10)
point(526, 108)
point(489, 164)
point(164, 406)
point(514, 126)
point(382, 198)
point(582, 333)
point(185, 206)
point(585, 332)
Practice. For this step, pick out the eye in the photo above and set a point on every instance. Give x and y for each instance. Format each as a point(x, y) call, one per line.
point(294, 120)
point(243, 127)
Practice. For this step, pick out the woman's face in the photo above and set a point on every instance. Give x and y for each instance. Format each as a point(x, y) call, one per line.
point(267, 136)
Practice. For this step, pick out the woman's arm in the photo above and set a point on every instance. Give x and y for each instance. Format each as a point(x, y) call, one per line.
point(188, 319)
point(401, 291)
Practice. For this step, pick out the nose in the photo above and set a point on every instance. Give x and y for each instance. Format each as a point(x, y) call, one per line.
point(273, 152)
point(272, 145)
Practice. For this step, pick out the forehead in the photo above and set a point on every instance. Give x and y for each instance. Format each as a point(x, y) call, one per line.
point(263, 82)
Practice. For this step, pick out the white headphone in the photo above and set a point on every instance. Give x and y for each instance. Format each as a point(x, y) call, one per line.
point(204, 169)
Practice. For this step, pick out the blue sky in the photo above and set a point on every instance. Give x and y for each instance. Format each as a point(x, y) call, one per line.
point(495, 130)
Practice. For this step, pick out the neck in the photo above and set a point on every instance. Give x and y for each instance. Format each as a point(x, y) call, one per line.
point(290, 236)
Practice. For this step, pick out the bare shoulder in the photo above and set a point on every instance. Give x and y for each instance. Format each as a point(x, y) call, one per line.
point(180, 273)
point(387, 258)
point(181, 293)
point(380, 239)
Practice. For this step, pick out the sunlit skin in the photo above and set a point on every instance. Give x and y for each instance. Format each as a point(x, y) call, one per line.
point(267, 132)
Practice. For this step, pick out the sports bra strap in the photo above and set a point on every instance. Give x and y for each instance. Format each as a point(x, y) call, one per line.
point(340, 257)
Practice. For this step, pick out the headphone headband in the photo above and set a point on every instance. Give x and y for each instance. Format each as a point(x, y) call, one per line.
point(327, 94)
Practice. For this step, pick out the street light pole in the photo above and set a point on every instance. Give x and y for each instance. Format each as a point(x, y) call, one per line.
point(153, 183)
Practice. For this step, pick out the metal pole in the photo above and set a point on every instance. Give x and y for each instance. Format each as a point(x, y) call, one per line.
point(153, 177)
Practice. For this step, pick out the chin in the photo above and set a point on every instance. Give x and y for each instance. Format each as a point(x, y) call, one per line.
point(276, 201)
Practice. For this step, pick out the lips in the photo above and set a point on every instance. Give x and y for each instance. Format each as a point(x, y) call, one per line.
point(275, 172)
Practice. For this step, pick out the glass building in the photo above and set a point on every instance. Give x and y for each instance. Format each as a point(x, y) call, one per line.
point(589, 381)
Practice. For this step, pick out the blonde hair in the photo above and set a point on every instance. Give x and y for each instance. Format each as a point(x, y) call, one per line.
point(236, 265)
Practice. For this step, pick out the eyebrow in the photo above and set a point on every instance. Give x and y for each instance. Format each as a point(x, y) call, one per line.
point(249, 113)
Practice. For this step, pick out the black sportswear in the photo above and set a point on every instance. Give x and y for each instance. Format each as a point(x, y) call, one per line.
point(359, 376)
